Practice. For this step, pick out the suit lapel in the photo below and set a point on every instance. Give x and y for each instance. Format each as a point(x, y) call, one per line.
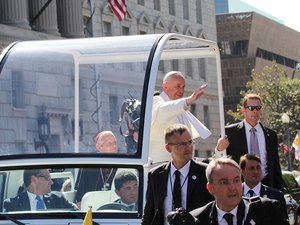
point(24, 203)
point(48, 200)
point(162, 179)
point(263, 191)
point(192, 179)
point(241, 135)
point(240, 213)
point(213, 216)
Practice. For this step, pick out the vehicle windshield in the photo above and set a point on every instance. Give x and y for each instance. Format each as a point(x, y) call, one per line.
point(57, 96)
point(104, 189)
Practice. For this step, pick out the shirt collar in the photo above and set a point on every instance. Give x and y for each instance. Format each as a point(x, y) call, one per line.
point(32, 197)
point(221, 212)
point(256, 189)
point(183, 170)
point(248, 126)
point(164, 96)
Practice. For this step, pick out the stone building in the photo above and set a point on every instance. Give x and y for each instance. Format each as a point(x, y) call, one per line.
point(43, 19)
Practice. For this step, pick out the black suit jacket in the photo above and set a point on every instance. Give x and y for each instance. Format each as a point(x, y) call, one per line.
point(197, 194)
point(238, 146)
point(272, 193)
point(263, 212)
point(53, 200)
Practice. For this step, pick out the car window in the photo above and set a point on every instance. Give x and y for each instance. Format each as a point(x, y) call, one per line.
point(107, 189)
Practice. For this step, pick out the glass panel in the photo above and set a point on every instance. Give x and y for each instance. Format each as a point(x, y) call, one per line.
point(43, 84)
point(72, 189)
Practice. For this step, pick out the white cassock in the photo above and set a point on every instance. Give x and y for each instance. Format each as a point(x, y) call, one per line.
point(166, 112)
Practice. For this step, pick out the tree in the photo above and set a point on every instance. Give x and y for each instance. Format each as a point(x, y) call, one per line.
point(280, 94)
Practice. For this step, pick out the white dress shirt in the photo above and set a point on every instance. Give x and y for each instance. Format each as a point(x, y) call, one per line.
point(261, 143)
point(33, 201)
point(256, 190)
point(183, 181)
point(222, 221)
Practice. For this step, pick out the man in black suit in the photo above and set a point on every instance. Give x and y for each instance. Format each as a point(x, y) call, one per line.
point(37, 195)
point(161, 180)
point(252, 173)
point(225, 184)
point(237, 141)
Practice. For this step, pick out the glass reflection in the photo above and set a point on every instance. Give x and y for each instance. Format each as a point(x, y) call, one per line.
point(71, 189)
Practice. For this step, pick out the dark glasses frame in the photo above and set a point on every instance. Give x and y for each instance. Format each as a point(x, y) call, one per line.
point(252, 108)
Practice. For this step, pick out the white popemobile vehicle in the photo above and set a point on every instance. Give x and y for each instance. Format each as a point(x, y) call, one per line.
point(55, 97)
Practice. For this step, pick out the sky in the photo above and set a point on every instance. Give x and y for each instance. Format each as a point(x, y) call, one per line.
point(285, 10)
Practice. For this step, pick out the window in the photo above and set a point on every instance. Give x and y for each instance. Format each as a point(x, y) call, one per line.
point(161, 66)
point(141, 2)
point(198, 11)
point(172, 7)
point(18, 98)
point(185, 5)
point(91, 186)
point(206, 116)
point(113, 108)
point(189, 67)
point(125, 30)
point(175, 64)
point(107, 29)
point(201, 64)
point(261, 53)
point(156, 5)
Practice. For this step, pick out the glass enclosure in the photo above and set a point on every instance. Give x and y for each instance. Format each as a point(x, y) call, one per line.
point(56, 91)
point(72, 188)
point(56, 96)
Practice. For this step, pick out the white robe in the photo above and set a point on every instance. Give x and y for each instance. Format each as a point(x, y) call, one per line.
point(166, 112)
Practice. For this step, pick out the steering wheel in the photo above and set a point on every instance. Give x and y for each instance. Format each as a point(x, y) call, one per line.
point(114, 206)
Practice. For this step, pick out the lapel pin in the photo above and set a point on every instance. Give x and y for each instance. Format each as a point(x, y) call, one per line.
point(194, 177)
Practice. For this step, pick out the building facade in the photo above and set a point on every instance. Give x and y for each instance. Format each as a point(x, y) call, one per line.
point(42, 19)
point(251, 41)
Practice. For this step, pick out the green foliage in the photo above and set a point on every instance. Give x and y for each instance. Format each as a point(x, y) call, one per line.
point(279, 94)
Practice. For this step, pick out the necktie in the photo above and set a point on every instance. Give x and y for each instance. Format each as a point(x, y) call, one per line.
point(254, 149)
point(251, 193)
point(39, 204)
point(228, 218)
point(177, 191)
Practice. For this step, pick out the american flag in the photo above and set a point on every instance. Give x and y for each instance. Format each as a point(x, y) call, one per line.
point(119, 8)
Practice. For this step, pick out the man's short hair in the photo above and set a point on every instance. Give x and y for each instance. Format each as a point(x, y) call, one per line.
point(250, 96)
point(102, 134)
point(123, 177)
point(172, 74)
point(171, 130)
point(29, 173)
point(246, 157)
point(216, 162)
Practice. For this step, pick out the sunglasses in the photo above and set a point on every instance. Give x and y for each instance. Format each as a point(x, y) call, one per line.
point(252, 108)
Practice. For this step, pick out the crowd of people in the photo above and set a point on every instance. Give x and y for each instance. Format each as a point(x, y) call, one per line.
point(245, 165)
point(242, 184)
